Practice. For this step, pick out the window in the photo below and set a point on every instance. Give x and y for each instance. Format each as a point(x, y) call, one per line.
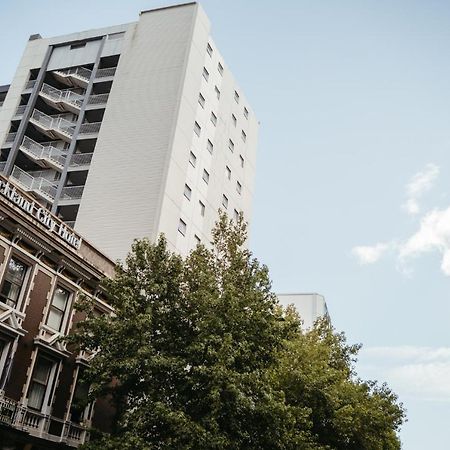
point(197, 240)
point(228, 172)
point(236, 97)
point(202, 208)
point(13, 282)
point(220, 68)
point(182, 227)
point(58, 307)
point(39, 382)
point(205, 74)
point(216, 90)
point(242, 160)
point(205, 176)
point(77, 45)
point(233, 118)
point(80, 400)
point(201, 100)
point(213, 118)
point(209, 50)
point(244, 136)
point(187, 192)
point(210, 146)
point(224, 201)
point(238, 187)
point(197, 128)
point(231, 145)
point(192, 159)
point(245, 112)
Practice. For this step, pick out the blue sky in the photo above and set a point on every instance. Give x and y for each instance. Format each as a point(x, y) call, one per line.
point(351, 194)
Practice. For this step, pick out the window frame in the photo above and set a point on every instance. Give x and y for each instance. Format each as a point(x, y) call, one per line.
point(45, 400)
point(65, 312)
point(24, 284)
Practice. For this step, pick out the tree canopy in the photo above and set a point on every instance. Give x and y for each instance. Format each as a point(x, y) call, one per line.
point(200, 355)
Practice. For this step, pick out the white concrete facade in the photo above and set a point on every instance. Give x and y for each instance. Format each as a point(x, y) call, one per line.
point(309, 306)
point(143, 179)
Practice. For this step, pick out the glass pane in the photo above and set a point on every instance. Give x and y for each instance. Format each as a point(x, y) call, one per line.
point(60, 298)
point(54, 319)
point(16, 271)
point(42, 370)
point(36, 396)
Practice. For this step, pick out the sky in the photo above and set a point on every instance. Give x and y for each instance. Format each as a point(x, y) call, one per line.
point(351, 198)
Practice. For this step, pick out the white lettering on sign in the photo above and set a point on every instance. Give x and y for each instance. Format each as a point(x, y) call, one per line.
point(54, 225)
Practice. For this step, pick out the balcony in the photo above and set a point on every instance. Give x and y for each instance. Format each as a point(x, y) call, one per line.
point(71, 195)
point(15, 415)
point(39, 185)
point(80, 161)
point(19, 112)
point(61, 100)
point(56, 127)
point(44, 154)
point(9, 140)
point(89, 130)
point(29, 86)
point(97, 101)
point(106, 74)
point(77, 76)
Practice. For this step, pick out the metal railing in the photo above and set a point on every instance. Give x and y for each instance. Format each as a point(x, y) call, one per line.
point(38, 424)
point(43, 151)
point(2, 165)
point(77, 72)
point(53, 122)
point(66, 95)
point(98, 99)
point(81, 159)
point(106, 72)
point(72, 192)
point(40, 185)
point(10, 137)
point(90, 128)
point(30, 85)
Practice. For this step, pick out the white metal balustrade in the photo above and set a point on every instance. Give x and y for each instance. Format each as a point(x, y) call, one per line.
point(30, 85)
point(76, 76)
point(19, 111)
point(44, 154)
point(62, 100)
point(16, 415)
point(106, 72)
point(72, 192)
point(53, 126)
point(97, 100)
point(37, 184)
point(9, 140)
point(90, 128)
point(80, 159)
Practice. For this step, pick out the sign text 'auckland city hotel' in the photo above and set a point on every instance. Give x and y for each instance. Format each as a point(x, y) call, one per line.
point(9, 191)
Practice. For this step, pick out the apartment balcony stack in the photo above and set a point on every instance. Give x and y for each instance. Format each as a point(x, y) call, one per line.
point(53, 132)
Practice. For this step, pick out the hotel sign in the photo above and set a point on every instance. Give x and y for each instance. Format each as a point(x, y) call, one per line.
point(41, 214)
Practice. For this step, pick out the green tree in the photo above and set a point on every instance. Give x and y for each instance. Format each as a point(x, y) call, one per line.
point(199, 355)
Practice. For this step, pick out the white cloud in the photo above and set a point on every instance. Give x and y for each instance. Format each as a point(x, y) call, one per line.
point(367, 254)
point(415, 372)
point(433, 235)
point(420, 183)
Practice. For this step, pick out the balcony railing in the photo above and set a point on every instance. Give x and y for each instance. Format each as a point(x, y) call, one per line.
point(56, 123)
point(15, 415)
point(2, 165)
point(72, 192)
point(30, 85)
point(81, 159)
point(99, 99)
point(20, 110)
point(90, 128)
point(62, 96)
point(38, 184)
point(106, 72)
point(80, 73)
point(44, 151)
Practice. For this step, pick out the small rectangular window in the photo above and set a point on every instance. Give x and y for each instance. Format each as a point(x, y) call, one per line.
point(13, 282)
point(39, 382)
point(245, 112)
point(234, 120)
point(210, 146)
point(77, 45)
point(224, 201)
point(213, 118)
point(220, 68)
point(242, 160)
point(192, 159)
point(228, 172)
point(236, 97)
point(216, 90)
point(201, 100)
point(244, 136)
point(209, 50)
point(205, 176)
point(231, 145)
point(187, 192)
point(182, 227)
point(202, 208)
point(205, 74)
point(60, 300)
point(238, 187)
point(197, 129)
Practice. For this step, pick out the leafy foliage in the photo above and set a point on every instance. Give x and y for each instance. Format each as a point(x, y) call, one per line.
point(199, 355)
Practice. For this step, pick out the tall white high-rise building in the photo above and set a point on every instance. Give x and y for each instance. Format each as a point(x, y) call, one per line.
point(131, 131)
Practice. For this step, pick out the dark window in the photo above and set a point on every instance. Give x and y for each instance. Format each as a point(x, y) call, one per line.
point(13, 282)
point(39, 383)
